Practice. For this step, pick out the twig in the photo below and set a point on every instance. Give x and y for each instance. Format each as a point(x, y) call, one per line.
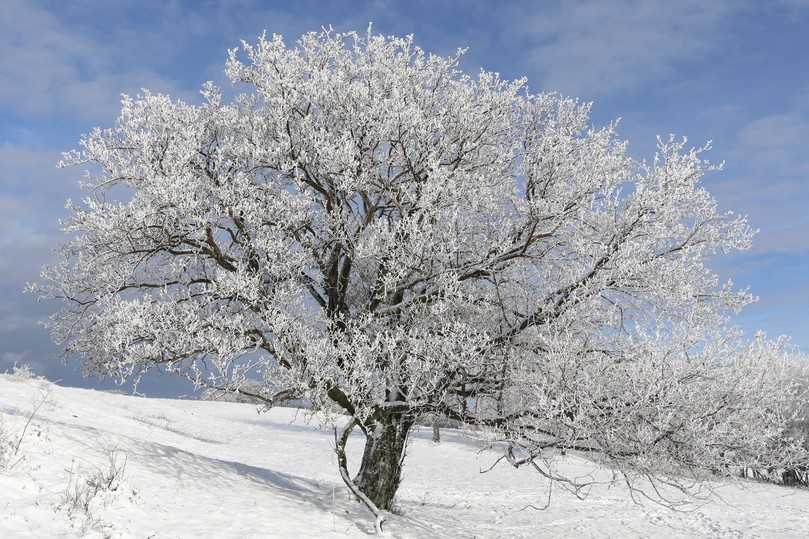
point(28, 422)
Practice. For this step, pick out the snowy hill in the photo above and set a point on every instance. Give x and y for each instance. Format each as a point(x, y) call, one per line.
point(103, 465)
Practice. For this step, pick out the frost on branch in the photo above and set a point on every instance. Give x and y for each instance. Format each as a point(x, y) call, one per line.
point(372, 229)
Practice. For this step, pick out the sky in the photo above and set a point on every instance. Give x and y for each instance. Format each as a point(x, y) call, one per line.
point(729, 71)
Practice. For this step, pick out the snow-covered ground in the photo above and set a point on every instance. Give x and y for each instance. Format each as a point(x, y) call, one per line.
point(211, 469)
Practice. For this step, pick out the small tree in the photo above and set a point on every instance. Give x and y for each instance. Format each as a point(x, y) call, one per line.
point(372, 229)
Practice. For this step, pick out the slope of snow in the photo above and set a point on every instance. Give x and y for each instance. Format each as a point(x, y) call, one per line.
point(210, 469)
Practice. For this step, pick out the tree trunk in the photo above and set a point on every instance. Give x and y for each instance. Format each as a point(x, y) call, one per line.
point(381, 467)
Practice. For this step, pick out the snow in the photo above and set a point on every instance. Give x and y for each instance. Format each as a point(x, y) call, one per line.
point(215, 469)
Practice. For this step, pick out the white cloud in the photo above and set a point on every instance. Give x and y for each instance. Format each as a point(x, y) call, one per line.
point(594, 48)
point(50, 68)
point(32, 197)
point(777, 143)
point(771, 156)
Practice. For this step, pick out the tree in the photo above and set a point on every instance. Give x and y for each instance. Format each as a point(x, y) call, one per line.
point(372, 229)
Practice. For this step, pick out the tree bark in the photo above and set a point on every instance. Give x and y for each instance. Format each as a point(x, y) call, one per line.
point(381, 467)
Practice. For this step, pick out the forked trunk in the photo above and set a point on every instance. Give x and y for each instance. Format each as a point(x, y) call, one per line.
point(381, 467)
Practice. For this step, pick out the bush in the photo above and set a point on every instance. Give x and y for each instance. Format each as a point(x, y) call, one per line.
point(83, 488)
point(23, 372)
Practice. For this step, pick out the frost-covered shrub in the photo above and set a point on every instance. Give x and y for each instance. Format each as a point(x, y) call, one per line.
point(23, 371)
point(83, 488)
point(791, 441)
point(798, 428)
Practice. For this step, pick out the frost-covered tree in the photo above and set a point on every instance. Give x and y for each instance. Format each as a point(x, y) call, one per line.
point(372, 229)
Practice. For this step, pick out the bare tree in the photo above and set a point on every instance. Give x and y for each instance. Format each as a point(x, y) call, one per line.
point(372, 229)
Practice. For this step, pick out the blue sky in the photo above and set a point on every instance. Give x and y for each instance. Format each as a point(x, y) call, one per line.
point(730, 71)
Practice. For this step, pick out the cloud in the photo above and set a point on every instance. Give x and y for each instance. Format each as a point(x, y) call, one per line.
point(777, 144)
point(50, 68)
point(796, 5)
point(73, 62)
point(32, 196)
point(594, 48)
point(770, 179)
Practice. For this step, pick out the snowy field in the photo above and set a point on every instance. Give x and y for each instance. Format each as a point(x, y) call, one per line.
point(184, 468)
